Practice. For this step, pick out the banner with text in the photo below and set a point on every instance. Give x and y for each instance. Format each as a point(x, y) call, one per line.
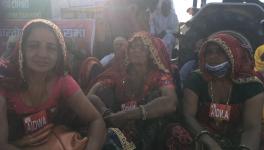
point(80, 32)
point(27, 9)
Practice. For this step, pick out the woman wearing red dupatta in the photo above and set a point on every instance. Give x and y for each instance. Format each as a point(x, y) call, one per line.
point(142, 89)
point(39, 86)
point(223, 101)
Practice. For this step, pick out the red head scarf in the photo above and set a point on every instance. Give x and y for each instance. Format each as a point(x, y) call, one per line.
point(18, 65)
point(157, 53)
point(238, 51)
point(156, 48)
point(61, 67)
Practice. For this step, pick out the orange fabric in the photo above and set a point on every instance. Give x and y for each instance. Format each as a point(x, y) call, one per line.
point(86, 72)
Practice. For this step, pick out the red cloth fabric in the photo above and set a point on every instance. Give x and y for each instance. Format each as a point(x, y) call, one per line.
point(18, 111)
point(163, 52)
point(117, 74)
point(63, 87)
point(178, 138)
point(156, 47)
point(155, 80)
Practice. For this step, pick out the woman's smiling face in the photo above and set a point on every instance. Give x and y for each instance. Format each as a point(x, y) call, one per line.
point(41, 50)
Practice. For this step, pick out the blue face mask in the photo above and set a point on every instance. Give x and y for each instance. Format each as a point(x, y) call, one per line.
point(218, 70)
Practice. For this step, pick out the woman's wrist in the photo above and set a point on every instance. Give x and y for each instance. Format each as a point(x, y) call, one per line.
point(200, 134)
point(208, 140)
point(135, 114)
point(106, 112)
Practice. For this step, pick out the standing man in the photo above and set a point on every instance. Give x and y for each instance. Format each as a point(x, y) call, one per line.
point(164, 23)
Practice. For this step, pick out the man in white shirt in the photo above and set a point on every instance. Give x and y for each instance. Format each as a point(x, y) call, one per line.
point(120, 45)
point(164, 23)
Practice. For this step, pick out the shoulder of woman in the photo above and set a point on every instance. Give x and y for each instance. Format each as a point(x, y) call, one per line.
point(196, 75)
point(255, 84)
point(250, 89)
point(67, 83)
point(65, 78)
point(195, 81)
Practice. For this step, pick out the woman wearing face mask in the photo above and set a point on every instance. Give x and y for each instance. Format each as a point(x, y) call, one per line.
point(223, 100)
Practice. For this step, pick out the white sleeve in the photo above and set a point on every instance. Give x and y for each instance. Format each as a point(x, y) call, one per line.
point(173, 23)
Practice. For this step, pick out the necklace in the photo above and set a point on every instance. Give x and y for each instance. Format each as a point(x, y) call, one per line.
point(134, 85)
point(212, 94)
point(219, 112)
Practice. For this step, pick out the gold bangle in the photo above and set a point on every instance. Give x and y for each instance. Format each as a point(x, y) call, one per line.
point(143, 112)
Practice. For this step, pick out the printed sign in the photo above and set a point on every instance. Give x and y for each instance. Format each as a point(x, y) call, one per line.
point(27, 9)
point(88, 3)
point(220, 111)
point(35, 121)
point(81, 32)
point(129, 105)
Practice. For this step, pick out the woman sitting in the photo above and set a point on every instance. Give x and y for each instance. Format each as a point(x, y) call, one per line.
point(223, 100)
point(259, 71)
point(143, 92)
point(29, 107)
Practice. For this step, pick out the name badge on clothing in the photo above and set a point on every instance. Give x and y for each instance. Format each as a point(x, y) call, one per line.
point(220, 111)
point(129, 105)
point(35, 121)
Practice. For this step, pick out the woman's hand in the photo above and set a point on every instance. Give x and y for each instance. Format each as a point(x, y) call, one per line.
point(252, 113)
point(209, 142)
point(83, 107)
point(190, 104)
point(36, 138)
